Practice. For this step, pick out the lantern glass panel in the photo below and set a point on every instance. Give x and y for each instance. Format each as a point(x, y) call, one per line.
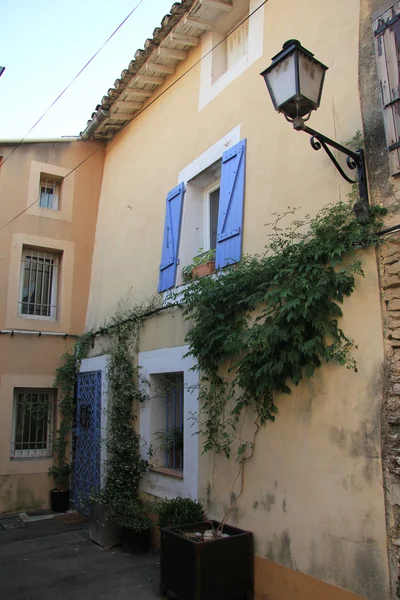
point(282, 80)
point(311, 74)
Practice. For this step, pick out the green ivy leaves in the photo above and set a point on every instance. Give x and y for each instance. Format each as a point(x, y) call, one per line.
point(274, 318)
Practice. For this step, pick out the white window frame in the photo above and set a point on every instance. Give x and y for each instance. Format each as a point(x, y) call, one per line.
point(163, 361)
point(202, 163)
point(45, 180)
point(54, 285)
point(211, 87)
point(41, 453)
point(207, 212)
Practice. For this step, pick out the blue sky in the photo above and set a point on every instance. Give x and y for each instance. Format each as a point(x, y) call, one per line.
point(44, 43)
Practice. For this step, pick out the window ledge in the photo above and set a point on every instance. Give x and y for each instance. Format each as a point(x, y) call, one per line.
point(167, 471)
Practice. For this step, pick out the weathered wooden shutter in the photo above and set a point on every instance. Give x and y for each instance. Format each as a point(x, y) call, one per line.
point(387, 44)
point(172, 227)
point(230, 213)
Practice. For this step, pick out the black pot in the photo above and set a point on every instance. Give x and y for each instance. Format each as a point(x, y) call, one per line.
point(135, 542)
point(209, 570)
point(59, 500)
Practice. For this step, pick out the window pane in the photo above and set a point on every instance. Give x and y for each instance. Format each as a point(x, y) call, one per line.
point(214, 205)
point(174, 421)
point(38, 281)
point(32, 424)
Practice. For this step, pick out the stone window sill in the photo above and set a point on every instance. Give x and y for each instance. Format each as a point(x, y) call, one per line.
point(166, 471)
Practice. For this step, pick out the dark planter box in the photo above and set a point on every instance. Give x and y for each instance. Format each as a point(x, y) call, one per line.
point(102, 530)
point(134, 542)
point(59, 500)
point(220, 569)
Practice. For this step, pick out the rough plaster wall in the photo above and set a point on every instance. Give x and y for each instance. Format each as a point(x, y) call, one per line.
point(385, 190)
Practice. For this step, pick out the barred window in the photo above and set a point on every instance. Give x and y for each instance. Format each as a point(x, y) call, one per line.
point(39, 284)
point(32, 423)
point(49, 193)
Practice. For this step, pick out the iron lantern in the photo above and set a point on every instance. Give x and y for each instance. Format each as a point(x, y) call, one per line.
point(295, 80)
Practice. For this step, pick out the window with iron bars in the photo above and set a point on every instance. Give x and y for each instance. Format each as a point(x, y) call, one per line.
point(49, 193)
point(32, 423)
point(169, 439)
point(39, 278)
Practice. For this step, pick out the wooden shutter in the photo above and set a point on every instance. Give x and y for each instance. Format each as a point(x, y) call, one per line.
point(172, 226)
point(387, 45)
point(230, 213)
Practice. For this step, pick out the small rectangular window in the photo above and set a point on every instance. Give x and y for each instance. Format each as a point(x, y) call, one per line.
point(32, 423)
point(214, 206)
point(39, 277)
point(168, 440)
point(49, 193)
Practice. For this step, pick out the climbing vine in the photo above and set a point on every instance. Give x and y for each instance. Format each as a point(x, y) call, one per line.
point(65, 381)
point(124, 466)
point(273, 319)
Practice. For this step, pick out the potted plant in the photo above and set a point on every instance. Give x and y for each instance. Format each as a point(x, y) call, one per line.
point(59, 496)
point(203, 264)
point(207, 561)
point(135, 526)
point(179, 511)
point(171, 442)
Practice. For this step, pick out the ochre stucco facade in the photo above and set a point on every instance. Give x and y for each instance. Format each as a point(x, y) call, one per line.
point(28, 361)
point(313, 492)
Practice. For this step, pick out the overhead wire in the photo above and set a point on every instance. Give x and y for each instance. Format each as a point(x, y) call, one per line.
point(393, 229)
point(148, 105)
point(72, 81)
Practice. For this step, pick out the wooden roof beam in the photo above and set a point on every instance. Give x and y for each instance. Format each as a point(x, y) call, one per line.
point(123, 104)
point(138, 93)
point(149, 79)
point(219, 4)
point(158, 68)
point(187, 40)
point(121, 116)
point(171, 53)
point(197, 24)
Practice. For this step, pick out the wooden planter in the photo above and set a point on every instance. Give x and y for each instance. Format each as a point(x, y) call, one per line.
point(203, 270)
point(102, 530)
point(220, 569)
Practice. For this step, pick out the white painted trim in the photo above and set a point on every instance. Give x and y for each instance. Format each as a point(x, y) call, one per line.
point(100, 363)
point(208, 89)
point(170, 360)
point(210, 156)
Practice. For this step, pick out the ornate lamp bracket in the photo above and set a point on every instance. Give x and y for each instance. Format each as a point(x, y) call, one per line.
point(355, 161)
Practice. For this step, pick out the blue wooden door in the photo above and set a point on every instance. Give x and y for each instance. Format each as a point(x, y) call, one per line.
point(86, 471)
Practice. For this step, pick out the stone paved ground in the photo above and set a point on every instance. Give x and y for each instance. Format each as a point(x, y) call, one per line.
point(54, 560)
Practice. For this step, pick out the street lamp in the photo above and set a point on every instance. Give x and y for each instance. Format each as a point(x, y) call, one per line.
point(295, 80)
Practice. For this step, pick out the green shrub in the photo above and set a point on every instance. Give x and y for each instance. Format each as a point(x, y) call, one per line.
point(180, 511)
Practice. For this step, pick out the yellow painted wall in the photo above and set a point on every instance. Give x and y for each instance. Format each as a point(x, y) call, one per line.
point(26, 360)
point(313, 491)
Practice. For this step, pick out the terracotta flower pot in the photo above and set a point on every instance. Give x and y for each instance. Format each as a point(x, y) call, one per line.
point(203, 270)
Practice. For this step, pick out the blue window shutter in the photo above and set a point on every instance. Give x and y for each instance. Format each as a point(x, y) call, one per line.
point(172, 227)
point(230, 214)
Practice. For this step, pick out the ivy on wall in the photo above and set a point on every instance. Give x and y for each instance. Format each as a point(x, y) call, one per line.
point(274, 319)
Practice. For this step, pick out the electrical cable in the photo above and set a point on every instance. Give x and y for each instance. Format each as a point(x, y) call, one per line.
point(150, 103)
point(195, 64)
point(72, 81)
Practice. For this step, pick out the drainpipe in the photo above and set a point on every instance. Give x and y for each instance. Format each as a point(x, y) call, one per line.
point(38, 333)
point(94, 123)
